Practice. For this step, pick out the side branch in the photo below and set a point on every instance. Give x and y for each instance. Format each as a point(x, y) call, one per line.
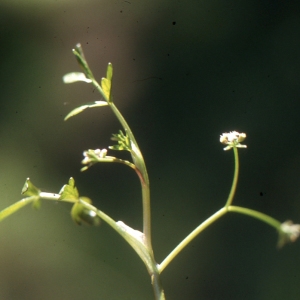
point(190, 237)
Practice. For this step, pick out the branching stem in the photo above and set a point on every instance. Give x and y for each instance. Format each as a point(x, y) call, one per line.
point(190, 237)
point(136, 153)
point(257, 215)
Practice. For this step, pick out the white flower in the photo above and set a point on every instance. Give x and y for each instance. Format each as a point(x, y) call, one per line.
point(93, 156)
point(289, 233)
point(101, 153)
point(233, 139)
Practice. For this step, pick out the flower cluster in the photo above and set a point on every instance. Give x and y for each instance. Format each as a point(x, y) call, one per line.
point(233, 139)
point(289, 232)
point(93, 156)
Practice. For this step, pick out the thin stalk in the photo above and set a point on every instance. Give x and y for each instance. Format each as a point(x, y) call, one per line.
point(52, 196)
point(235, 177)
point(25, 201)
point(190, 237)
point(16, 206)
point(255, 214)
point(111, 159)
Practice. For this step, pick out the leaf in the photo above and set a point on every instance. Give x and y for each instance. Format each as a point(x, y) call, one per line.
point(69, 191)
point(109, 72)
point(106, 85)
point(74, 77)
point(78, 52)
point(106, 82)
point(81, 108)
point(29, 189)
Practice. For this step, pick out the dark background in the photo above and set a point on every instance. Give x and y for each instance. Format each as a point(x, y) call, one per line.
point(184, 72)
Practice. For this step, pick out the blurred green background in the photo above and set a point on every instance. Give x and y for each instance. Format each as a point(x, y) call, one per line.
point(184, 72)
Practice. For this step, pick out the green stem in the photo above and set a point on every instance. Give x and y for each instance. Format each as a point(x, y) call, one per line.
point(136, 153)
point(16, 206)
point(110, 159)
point(256, 214)
point(190, 237)
point(138, 161)
point(237, 209)
point(140, 164)
point(159, 293)
point(23, 202)
point(235, 177)
point(52, 196)
point(137, 242)
point(121, 161)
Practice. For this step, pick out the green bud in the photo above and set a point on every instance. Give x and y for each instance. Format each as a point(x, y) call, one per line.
point(82, 215)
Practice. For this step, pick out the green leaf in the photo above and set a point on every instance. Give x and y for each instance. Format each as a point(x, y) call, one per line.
point(82, 215)
point(109, 72)
point(106, 82)
point(75, 77)
point(106, 85)
point(29, 189)
point(81, 108)
point(69, 191)
point(78, 52)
